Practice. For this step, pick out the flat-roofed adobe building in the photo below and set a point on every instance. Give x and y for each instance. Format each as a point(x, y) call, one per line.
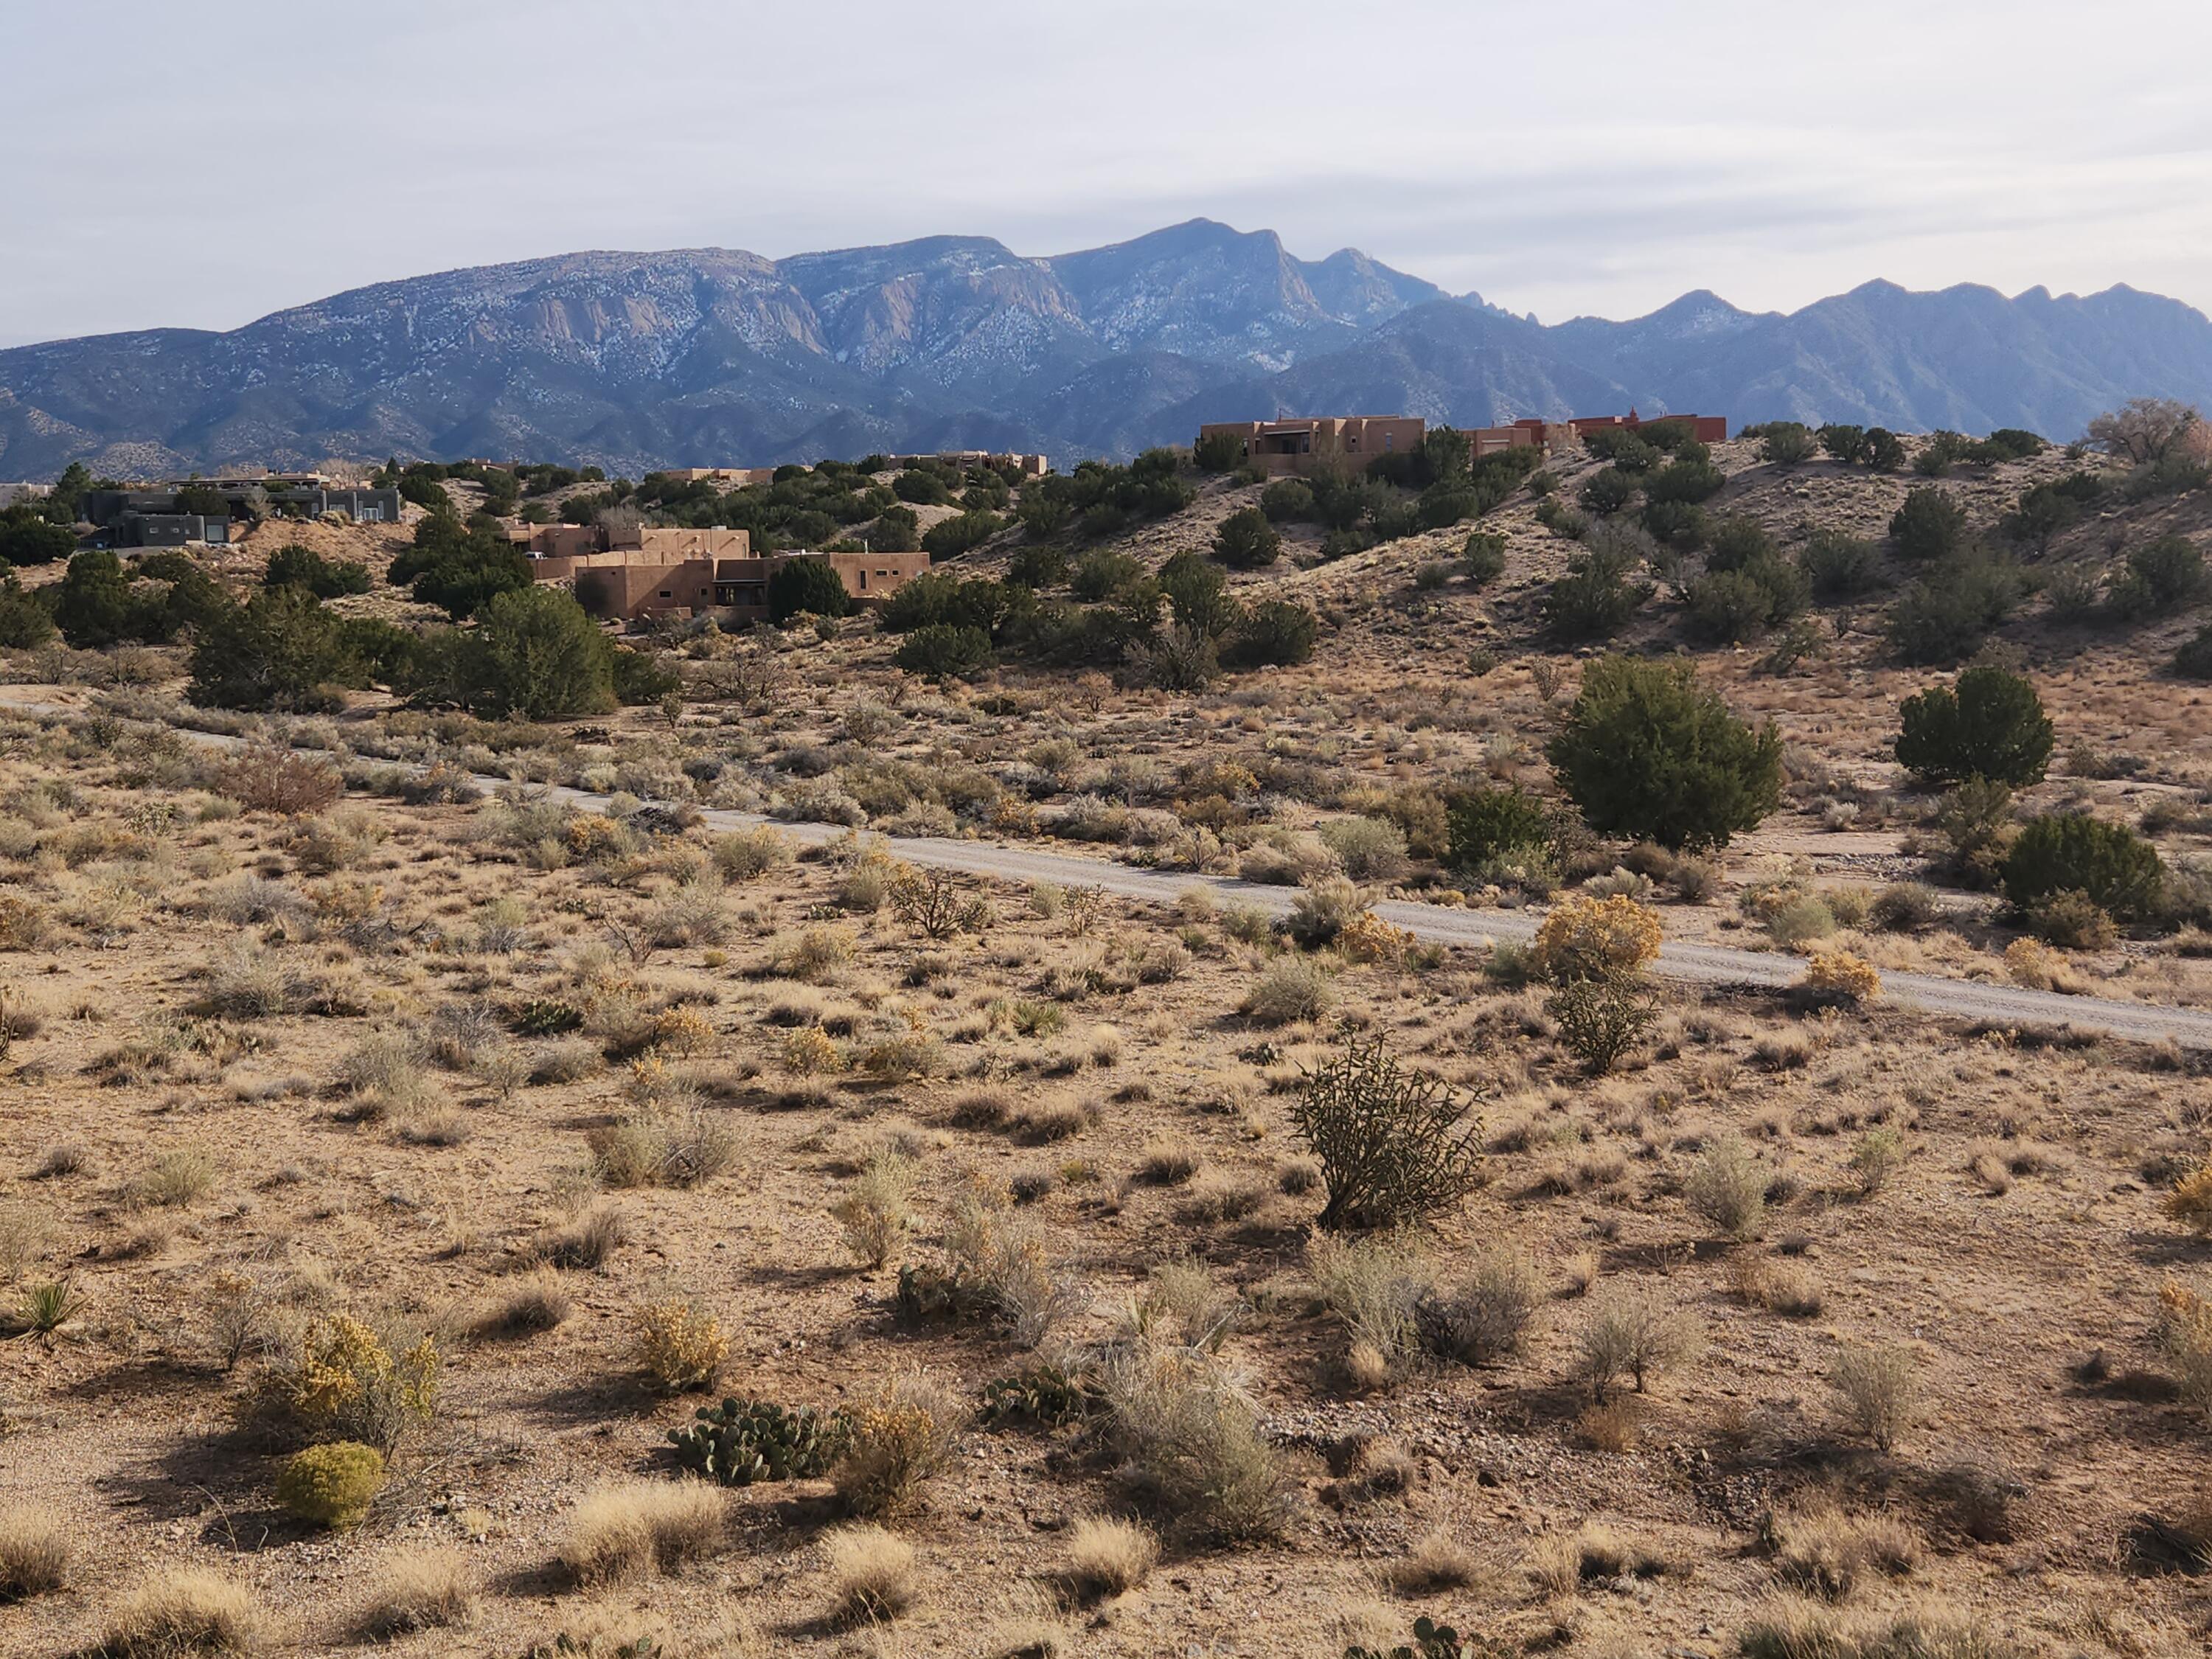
point(654, 571)
point(1304, 444)
point(1706, 428)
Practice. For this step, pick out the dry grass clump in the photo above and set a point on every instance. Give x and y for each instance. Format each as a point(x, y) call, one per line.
point(1183, 1303)
point(871, 1573)
point(35, 1551)
point(1193, 1442)
point(1484, 1318)
point(1002, 1257)
point(1166, 1163)
point(1559, 1564)
point(538, 1303)
point(680, 1347)
point(1826, 1553)
point(749, 855)
point(416, 1590)
point(1794, 1629)
point(1373, 1285)
point(1727, 1186)
point(631, 1530)
point(1106, 1557)
point(1877, 1386)
point(876, 1210)
point(1780, 1287)
point(903, 1439)
point(1288, 990)
point(186, 1611)
point(182, 1175)
point(1437, 1562)
point(583, 1242)
point(660, 1147)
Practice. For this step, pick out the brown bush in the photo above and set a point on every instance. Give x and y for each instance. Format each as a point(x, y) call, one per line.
point(267, 779)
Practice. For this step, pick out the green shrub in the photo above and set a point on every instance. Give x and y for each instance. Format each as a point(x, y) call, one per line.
point(1987, 724)
point(1847, 444)
point(1691, 477)
point(534, 654)
point(1950, 613)
point(896, 529)
point(1600, 1020)
point(279, 650)
point(23, 621)
point(2117, 870)
point(923, 487)
point(1840, 566)
point(1482, 560)
point(1198, 595)
point(948, 538)
point(1596, 596)
point(96, 604)
point(1218, 452)
point(1288, 500)
point(1393, 1147)
point(332, 1484)
point(2192, 658)
point(1681, 525)
point(1785, 443)
point(808, 588)
point(1274, 633)
point(1732, 606)
point(1650, 753)
point(944, 651)
point(27, 538)
point(1929, 525)
point(1246, 541)
point(2072, 921)
point(1484, 823)
point(1606, 490)
point(2163, 577)
point(1738, 541)
point(326, 579)
point(458, 567)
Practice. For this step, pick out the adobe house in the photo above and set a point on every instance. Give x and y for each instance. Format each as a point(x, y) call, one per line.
point(1706, 428)
point(663, 571)
point(1528, 433)
point(1304, 444)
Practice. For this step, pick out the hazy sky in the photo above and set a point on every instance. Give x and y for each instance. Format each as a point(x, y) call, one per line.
point(201, 163)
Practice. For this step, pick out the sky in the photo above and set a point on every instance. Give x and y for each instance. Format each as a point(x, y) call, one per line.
point(199, 163)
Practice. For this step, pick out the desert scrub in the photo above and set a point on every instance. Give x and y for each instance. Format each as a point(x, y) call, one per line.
point(1633, 1330)
point(1194, 1443)
point(998, 1259)
point(896, 1443)
point(1841, 977)
point(1393, 1147)
point(1878, 1390)
point(1288, 990)
point(631, 1529)
point(346, 1378)
point(1726, 1186)
point(331, 1485)
point(875, 1210)
point(36, 1552)
point(680, 1348)
point(1485, 1318)
point(1598, 938)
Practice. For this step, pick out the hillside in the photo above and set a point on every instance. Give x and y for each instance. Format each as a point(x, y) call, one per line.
point(637, 360)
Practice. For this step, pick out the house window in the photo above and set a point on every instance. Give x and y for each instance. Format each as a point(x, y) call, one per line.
point(1390, 440)
point(863, 581)
point(666, 595)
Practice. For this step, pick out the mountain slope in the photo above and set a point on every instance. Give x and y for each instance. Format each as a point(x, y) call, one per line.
point(715, 356)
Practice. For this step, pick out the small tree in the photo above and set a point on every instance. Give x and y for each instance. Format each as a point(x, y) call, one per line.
point(1198, 595)
point(279, 650)
point(534, 653)
point(808, 588)
point(1392, 1147)
point(896, 529)
point(2146, 430)
point(944, 651)
point(1218, 452)
point(1246, 541)
point(1929, 525)
point(1989, 724)
point(1649, 752)
point(1596, 596)
point(303, 567)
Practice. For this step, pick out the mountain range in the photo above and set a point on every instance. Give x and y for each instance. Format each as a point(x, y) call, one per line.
point(712, 357)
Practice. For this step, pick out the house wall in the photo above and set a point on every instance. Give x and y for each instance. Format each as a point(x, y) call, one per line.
point(1300, 445)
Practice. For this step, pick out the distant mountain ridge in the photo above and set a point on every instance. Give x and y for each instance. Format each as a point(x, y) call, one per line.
point(715, 356)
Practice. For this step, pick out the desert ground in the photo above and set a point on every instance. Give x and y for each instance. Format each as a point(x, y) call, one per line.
point(351, 1099)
